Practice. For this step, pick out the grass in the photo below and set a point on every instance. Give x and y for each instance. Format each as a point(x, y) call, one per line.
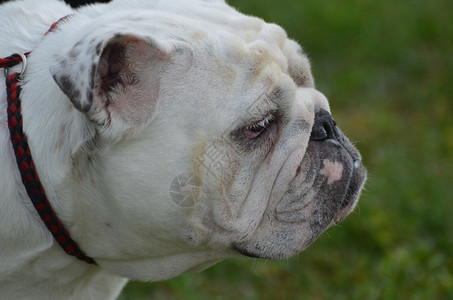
point(386, 67)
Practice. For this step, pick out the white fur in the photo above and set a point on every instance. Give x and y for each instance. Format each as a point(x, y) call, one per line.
point(204, 69)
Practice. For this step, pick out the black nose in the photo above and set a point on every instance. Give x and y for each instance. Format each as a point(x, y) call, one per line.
point(324, 127)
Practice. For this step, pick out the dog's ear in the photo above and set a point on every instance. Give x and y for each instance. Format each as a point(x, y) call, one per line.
point(115, 80)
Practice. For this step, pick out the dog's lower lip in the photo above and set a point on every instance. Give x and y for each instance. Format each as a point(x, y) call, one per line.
point(244, 252)
point(349, 203)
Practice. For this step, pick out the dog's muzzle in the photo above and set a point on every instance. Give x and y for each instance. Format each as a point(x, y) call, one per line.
point(331, 146)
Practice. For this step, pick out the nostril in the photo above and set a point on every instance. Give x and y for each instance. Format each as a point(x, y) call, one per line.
point(324, 127)
point(319, 133)
point(329, 127)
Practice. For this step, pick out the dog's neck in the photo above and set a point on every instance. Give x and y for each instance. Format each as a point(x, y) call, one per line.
point(30, 259)
point(36, 259)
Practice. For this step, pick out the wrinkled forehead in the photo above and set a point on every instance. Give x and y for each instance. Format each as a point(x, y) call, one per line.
point(253, 43)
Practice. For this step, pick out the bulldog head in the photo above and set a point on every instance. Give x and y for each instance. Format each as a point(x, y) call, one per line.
point(204, 138)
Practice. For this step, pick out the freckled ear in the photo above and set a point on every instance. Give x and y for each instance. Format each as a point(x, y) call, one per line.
point(117, 79)
point(73, 73)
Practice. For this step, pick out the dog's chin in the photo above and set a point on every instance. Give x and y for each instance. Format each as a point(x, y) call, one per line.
point(282, 244)
point(309, 227)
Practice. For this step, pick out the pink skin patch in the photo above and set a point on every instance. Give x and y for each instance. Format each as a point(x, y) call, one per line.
point(332, 170)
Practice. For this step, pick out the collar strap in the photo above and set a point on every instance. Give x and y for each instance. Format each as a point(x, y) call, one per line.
point(25, 164)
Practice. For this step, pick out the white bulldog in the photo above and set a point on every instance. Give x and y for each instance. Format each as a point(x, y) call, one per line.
point(168, 135)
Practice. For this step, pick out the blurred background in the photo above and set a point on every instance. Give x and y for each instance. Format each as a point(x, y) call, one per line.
point(387, 69)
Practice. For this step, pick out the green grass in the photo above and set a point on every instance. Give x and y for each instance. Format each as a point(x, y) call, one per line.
point(386, 67)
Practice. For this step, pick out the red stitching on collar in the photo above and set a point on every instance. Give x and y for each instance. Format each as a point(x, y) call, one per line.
point(25, 163)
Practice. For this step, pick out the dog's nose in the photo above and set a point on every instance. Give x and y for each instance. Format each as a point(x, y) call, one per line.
point(324, 127)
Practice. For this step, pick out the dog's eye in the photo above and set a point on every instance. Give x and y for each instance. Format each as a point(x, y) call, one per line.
point(256, 129)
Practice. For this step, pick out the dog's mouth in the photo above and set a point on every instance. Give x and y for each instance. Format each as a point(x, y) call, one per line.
point(328, 181)
point(324, 191)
